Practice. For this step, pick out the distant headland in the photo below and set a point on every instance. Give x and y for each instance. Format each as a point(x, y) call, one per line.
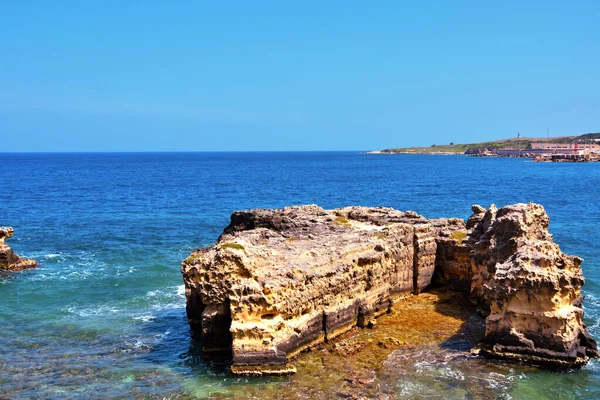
point(564, 148)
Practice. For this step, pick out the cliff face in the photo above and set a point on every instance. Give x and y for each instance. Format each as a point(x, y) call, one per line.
point(279, 281)
point(9, 260)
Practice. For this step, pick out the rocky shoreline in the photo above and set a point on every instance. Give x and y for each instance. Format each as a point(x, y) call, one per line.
point(278, 282)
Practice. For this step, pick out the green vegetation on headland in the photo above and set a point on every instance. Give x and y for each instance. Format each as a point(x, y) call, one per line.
point(235, 246)
point(516, 143)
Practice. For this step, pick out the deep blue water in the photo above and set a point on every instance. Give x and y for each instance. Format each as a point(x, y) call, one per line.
point(104, 316)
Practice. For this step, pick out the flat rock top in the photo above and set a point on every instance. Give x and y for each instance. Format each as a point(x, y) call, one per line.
point(310, 218)
point(289, 247)
point(309, 239)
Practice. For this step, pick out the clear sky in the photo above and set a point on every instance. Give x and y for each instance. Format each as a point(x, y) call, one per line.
point(293, 75)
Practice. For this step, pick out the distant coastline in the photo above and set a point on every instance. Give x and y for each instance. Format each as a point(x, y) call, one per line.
point(584, 147)
point(438, 153)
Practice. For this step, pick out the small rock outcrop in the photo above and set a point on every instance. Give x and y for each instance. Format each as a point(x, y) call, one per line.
point(280, 281)
point(529, 289)
point(9, 260)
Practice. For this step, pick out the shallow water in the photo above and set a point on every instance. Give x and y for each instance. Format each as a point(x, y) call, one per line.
point(104, 313)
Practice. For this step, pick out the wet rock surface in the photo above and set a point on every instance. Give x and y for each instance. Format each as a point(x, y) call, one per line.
point(278, 282)
point(9, 260)
point(432, 333)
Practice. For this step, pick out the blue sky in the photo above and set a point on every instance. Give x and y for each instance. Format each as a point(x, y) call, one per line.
point(310, 75)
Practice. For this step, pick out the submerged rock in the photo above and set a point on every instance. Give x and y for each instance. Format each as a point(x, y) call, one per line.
point(280, 281)
point(9, 260)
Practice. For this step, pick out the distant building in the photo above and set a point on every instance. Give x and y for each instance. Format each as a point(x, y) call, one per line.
point(565, 148)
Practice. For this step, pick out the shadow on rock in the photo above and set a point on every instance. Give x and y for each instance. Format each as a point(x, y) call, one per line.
point(458, 305)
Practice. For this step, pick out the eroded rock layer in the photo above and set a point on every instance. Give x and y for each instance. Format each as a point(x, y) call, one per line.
point(9, 260)
point(279, 281)
point(529, 289)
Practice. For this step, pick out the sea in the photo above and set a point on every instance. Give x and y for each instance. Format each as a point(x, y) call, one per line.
point(104, 314)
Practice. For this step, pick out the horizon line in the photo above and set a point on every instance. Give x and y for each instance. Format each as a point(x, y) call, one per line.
point(177, 151)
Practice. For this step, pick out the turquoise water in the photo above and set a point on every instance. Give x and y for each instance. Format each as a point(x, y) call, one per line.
point(104, 316)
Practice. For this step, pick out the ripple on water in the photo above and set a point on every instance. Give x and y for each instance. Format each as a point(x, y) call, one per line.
point(167, 298)
point(427, 372)
point(591, 307)
point(102, 310)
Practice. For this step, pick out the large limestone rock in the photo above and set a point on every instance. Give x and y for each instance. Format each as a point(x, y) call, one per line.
point(9, 260)
point(529, 289)
point(279, 281)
